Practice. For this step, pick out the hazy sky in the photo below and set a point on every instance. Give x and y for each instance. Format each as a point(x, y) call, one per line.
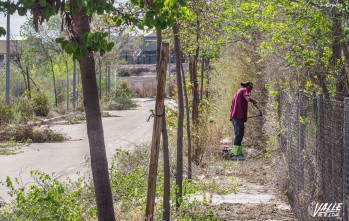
point(15, 23)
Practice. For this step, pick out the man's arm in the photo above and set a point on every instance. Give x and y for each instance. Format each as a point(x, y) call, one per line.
point(250, 100)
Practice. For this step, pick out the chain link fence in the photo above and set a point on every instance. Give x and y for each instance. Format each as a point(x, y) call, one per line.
point(314, 137)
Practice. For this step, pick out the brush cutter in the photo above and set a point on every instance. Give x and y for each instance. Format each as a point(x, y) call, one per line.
point(260, 112)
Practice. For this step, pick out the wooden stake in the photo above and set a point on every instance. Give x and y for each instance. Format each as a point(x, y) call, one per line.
point(155, 144)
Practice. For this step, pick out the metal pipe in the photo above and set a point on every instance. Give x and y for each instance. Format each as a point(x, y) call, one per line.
point(7, 96)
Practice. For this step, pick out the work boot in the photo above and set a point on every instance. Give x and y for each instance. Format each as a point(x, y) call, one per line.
point(237, 150)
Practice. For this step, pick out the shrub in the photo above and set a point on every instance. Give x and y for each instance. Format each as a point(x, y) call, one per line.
point(22, 110)
point(121, 99)
point(49, 200)
point(41, 104)
point(29, 134)
point(5, 114)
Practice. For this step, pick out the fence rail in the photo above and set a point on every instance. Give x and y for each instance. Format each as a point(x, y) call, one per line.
point(314, 137)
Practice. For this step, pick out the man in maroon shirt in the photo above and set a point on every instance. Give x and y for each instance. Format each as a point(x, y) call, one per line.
point(238, 115)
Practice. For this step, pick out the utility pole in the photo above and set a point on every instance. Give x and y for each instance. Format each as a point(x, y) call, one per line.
point(108, 67)
point(7, 96)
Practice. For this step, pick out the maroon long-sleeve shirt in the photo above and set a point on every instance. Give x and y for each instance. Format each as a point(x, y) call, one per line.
point(239, 105)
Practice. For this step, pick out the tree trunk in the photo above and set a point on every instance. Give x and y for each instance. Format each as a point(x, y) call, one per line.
point(28, 82)
point(202, 77)
point(195, 110)
point(99, 163)
point(179, 175)
point(195, 114)
point(187, 110)
point(54, 81)
point(155, 144)
point(167, 173)
point(208, 76)
point(158, 48)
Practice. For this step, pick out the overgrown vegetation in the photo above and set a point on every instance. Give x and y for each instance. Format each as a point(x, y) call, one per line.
point(53, 199)
point(29, 134)
point(41, 104)
point(293, 44)
point(49, 199)
point(120, 99)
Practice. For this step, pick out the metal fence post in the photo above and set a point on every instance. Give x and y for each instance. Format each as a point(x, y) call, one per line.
point(289, 134)
point(281, 148)
point(319, 143)
point(346, 159)
point(300, 141)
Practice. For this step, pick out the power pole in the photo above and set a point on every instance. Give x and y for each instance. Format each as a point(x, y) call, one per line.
point(7, 96)
point(108, 67)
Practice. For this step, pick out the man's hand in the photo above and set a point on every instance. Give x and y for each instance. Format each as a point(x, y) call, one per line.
point(252, 101)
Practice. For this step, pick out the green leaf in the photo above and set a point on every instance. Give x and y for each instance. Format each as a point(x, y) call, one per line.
point(42, 3)
point(45, 13)
point(110, 46)
point(22, 11)
point(2, 31)
point(68, 48)
point(59, 40)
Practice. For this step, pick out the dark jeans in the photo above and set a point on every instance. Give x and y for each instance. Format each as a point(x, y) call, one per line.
point(239, 130)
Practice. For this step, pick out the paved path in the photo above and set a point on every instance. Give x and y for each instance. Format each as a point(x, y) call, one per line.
point(69, 157)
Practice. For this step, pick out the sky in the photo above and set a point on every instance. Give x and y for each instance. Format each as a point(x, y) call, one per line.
point(15, 23)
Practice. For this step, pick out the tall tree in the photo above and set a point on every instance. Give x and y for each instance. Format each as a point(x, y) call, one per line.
point(187, 111)
point(179, 175)
point(82, 43)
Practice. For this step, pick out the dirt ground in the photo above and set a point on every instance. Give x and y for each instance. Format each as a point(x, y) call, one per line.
point(259, 188)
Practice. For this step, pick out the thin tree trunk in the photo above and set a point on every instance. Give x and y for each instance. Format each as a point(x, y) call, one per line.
point(179, 175)
point(17, 61)
point(207, 76)
point(28, 82)
point(99, 163)
point(155, 145)
point(187, 110)
point(195, 110)
point(158, 48)
point(54, 81)
point(195, 114)
point(167, 172)
point(202, 77)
